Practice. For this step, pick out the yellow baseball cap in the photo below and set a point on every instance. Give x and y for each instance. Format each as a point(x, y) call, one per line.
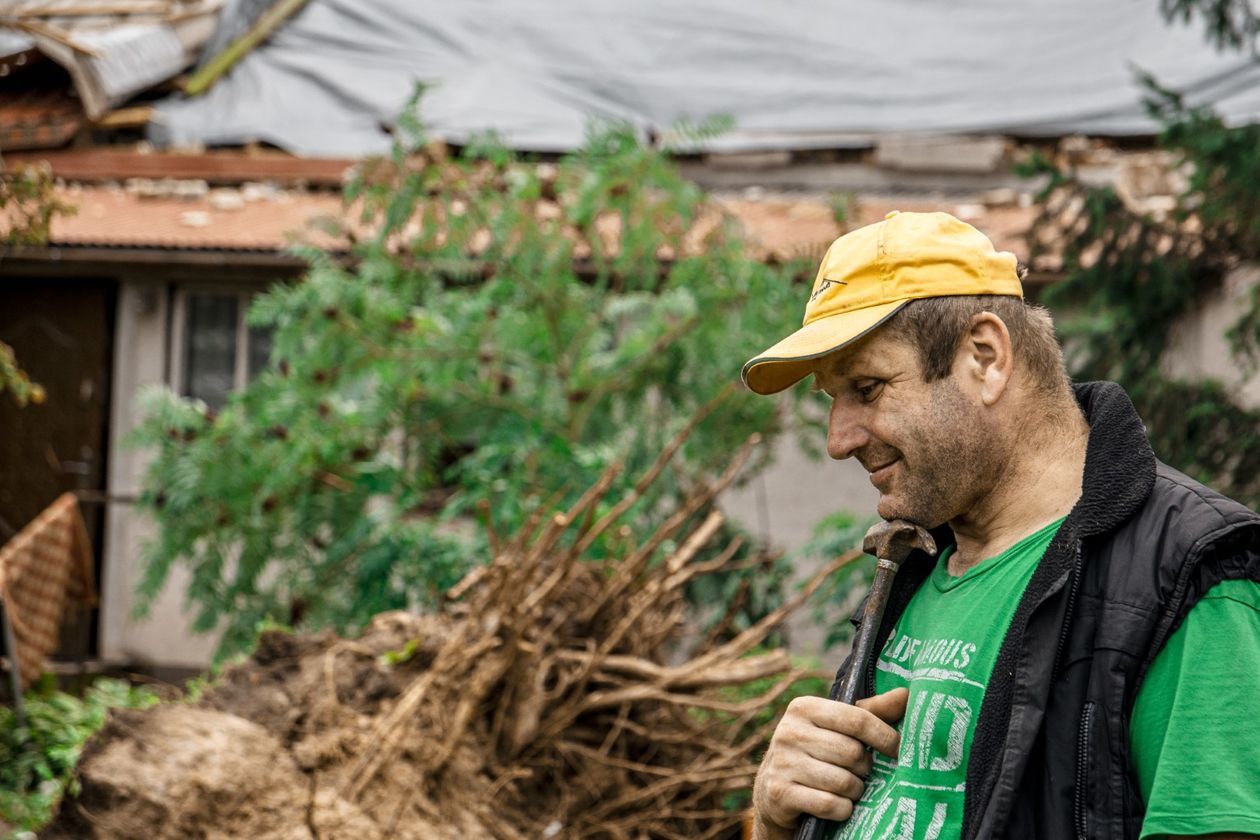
point(870, 273)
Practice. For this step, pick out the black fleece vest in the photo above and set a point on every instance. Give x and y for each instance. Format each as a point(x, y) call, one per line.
point(1050, 756)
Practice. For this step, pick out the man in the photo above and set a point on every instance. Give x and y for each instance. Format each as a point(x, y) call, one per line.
point(1083, 658)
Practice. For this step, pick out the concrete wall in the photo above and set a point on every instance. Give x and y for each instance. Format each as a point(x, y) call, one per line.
point(785, 503)
point(1200, 348)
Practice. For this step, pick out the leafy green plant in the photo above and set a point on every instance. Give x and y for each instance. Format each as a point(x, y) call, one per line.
point(1228, 24)
point(507, 331)
point(390, 658)
point(37, 759)
point(28, 204)
point(834, 602)
point(15, 380)
point(1131, 276)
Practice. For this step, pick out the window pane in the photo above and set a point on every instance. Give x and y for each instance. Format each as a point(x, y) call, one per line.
point(259, 350)
point(210, 348)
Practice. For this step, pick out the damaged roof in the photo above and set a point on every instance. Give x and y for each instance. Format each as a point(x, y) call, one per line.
point(807, 75)
point(190, 215)
point(112, 49)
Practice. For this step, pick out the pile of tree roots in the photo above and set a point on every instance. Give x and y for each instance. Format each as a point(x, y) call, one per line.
point(553, 696)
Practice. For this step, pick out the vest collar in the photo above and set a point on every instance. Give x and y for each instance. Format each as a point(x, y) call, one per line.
point(1119, 461)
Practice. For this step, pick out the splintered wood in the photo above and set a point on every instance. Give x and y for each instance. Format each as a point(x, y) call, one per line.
point(561, 692)
point(557, 677)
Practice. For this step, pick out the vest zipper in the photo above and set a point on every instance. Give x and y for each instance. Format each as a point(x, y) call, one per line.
point(1080, 813)
point(1075, 584)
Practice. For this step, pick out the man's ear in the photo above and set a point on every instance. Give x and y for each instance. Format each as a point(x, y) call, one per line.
point(986, 358)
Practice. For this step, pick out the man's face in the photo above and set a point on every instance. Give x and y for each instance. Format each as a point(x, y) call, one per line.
point(930, 448)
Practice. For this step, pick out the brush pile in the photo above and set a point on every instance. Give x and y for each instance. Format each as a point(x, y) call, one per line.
point(554, 696)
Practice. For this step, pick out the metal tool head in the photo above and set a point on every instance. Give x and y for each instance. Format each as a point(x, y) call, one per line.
point(894, 539)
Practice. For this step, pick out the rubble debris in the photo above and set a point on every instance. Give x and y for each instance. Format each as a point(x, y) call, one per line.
point(555, 695)
point(942, 153)
point(195, 219)
point(226, 199)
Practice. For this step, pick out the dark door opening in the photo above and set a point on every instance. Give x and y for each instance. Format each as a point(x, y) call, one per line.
point(62, 334)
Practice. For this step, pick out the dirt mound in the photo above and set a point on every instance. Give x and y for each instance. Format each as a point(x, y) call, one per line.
point(180, 771)
point(554, 696)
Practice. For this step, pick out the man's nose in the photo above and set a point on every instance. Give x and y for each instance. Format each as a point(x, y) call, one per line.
point(845, 432)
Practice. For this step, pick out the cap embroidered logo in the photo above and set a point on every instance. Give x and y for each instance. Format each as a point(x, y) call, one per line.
point(824, 286)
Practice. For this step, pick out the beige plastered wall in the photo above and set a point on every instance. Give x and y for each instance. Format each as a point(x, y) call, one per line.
point(1200, 347)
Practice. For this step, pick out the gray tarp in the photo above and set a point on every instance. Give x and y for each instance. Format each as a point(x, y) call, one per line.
point(792, 73)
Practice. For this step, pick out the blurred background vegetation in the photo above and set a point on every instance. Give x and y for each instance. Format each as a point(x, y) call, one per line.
point(470, 367)
point(1130, 278)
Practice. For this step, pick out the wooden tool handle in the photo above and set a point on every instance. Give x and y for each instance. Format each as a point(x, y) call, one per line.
point(846, 686)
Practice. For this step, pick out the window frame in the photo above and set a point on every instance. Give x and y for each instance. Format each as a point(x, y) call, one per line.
point(179, 329)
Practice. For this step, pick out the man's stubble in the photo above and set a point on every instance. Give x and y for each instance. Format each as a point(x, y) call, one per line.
point(951, 457)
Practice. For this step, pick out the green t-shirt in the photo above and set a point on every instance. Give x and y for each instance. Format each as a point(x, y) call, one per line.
point(1198, 771)
point(942, 649)
point(1196, 742)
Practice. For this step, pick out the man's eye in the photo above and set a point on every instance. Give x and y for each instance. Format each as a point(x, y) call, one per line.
point(868, 390)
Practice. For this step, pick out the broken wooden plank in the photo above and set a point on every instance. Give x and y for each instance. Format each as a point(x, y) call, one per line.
point(133, 116)
point(53, 33)
point(138, 7)
point(103, 164)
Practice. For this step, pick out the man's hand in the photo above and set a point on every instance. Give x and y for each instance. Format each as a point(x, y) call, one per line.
point(818, 760)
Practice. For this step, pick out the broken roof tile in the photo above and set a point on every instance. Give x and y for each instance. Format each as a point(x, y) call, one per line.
point(186, 215)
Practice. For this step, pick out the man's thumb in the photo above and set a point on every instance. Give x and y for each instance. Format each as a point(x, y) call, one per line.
point(889, 707)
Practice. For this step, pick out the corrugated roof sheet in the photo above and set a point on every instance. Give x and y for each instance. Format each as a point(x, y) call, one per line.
point(264, 219)
point(115, 217)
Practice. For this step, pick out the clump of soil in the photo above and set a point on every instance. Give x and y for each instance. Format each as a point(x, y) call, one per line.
point(554, 696)
point(178, 771)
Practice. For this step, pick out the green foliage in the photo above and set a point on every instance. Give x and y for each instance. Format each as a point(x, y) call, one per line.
point(28, 203)
point(390, 658)
point(807, 686)
point(843, 207)
point(508, 332)
point(196, 688)
point(14, 380)
point(37, 760)
point(1229, 24)
point(1131, 276)
point(811, 685)
point(838, 597)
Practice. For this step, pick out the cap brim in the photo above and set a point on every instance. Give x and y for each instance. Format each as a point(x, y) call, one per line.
point(792, 359)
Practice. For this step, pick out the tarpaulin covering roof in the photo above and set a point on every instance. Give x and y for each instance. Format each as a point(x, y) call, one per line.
point(806, 74)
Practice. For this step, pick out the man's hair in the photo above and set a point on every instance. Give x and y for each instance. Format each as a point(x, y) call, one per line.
point(935, 327)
